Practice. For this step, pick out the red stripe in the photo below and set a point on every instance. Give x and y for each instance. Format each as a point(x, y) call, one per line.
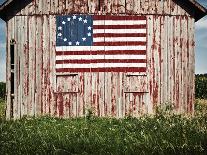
point(127, 52)
point(119, 35)
point(119, 43)
point(120, 69)
point(119, 26)
point(100, 61)
point(108, 17)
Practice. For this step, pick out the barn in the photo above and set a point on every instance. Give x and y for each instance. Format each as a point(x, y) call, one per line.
point(115, 57)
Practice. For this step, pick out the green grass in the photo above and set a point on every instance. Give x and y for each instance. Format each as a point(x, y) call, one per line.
point(160, 134)
point(2, 109)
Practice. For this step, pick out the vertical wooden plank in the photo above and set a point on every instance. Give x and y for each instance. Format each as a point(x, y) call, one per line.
point(171, 70)
point(74, 103)
point(185, 32)
point(121, 95)
point(25, 65)
point(61, 6)
point(80, 95)
point(150, 63)
point(160, 7)
point(9, 106)
point(144, 6)
point(169, 59)
point(129, 6)
point(52, 6)
point(136, 8)
point(113, 109)
point(32, 66)
point(152, 7)
point(127, 103)
point(118, 95)
point(162, 41)
point(46, 63)
point(18, 53)
point(164, 60)
point(114, 5)
point(88, 91)
point(192, 64)
point(108, 4)
point(69, 6)
point(183, 61)
point(84, 6)
point(39, 65)
point(94, 94)
point(121, 6)
point(174, 7)
point(47, 6)
point(156, 61)
point(188, 63)
point(30, 8)
point(21, 65)
point(166, 9)
point(180, 53)
point(108, 98)
point(66, 105)
point(101, 92)
point(52, 76)
point(177, 62)
point(39, 6)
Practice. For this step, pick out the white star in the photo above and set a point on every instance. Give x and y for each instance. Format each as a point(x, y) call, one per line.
point(60, 28)
point(80, 18)
point(84, 39)
point(77, 43)
point(63, 22)
point(70, 43)
point(89, 28)
point(69, 19)
point(85, 21)
point(65, 39)
point(89, 34)
point(74, 17)
point(59, 34)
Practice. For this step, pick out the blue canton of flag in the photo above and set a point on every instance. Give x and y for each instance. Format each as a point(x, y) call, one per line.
point(74, 30)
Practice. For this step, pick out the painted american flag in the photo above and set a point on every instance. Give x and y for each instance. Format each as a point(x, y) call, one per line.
point(100, 43)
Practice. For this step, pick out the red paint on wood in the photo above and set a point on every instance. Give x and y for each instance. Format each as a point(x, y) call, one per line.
point(141, 26)
point(119, 43)
point(105, 17)
point(119, 35)
point(100, 61)
point(123, 69)
point(117, 52)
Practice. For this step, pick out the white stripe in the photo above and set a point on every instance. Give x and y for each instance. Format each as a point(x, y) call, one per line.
point(119, 22)
point(99, 48)
point(100, 65)
point(92, 57)
point(119, 31)
point(124, 39)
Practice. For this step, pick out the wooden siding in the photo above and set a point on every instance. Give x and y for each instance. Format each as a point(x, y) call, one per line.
point(40, 91)
point(131, 7)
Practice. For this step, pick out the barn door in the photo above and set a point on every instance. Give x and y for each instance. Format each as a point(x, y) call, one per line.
point(136, 94)
point(67, 91)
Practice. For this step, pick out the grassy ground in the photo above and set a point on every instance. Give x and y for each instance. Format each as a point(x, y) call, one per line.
point(160, 134)
point(2, 109)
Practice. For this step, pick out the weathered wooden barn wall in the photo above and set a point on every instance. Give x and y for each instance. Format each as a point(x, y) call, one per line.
point(39, 90)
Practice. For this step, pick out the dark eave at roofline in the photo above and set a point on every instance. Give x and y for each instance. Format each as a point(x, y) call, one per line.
point(199, 10)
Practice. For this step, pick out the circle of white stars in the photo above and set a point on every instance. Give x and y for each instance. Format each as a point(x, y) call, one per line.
point(69, 19)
